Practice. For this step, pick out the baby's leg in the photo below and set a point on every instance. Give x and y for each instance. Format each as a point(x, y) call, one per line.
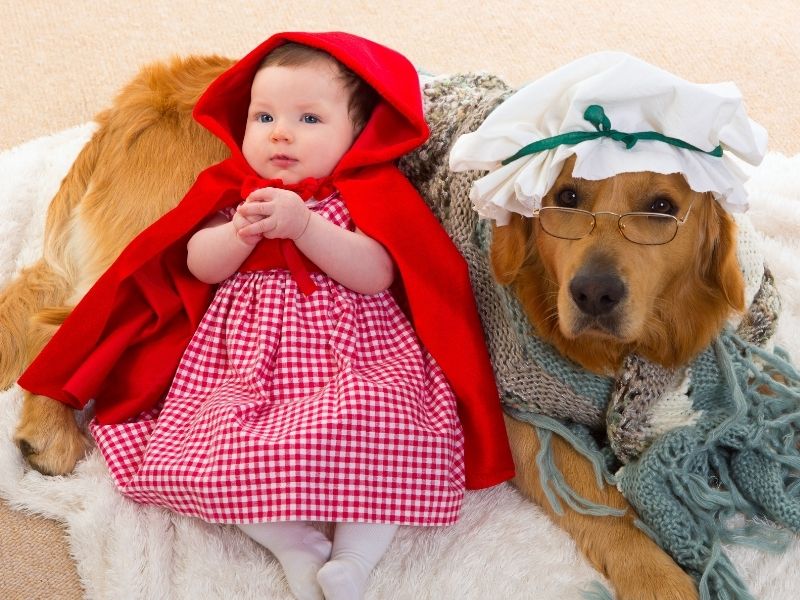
point(300, 549)
point(357, 548)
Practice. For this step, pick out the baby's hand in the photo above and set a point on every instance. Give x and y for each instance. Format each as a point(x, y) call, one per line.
point(240, 221)
point(274, 213)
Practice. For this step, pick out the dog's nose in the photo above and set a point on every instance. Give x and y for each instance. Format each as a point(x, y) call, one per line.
point(597, 294)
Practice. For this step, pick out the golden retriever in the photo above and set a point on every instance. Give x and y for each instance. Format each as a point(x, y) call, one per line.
point(147, 152)
point(602, 297)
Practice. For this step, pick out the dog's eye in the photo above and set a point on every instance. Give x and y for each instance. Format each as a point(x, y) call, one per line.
point(661, 205)
point(567, 198)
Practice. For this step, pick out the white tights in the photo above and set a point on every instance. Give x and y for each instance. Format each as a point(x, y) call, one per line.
point(315, 568)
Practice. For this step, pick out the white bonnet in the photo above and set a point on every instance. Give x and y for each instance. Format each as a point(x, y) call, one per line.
point(634, 97)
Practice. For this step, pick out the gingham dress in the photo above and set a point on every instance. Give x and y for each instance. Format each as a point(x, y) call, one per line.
point(290, 407)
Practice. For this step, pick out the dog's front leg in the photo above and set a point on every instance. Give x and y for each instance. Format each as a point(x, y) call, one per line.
point(48, 436)
point(47, 433)
point(636, 567)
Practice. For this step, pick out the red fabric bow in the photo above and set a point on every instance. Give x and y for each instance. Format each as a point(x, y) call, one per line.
point(309, 187)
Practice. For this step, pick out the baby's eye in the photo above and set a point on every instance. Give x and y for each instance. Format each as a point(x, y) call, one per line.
point(264, 118)
point(310, 119)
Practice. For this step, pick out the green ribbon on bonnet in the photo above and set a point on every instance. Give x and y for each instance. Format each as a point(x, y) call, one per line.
point(597, 117)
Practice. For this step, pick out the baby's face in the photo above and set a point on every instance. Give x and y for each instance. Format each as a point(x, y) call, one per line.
point(298, 124)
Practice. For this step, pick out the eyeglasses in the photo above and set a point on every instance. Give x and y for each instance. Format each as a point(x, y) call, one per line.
point(649, 229)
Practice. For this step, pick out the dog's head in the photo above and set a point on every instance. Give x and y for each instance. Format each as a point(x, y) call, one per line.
point(602, 296)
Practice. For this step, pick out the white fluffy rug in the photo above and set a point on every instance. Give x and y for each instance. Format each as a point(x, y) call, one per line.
point(503, 547)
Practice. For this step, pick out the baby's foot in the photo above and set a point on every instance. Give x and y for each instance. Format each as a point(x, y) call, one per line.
point(300, 565)
point(341, 579)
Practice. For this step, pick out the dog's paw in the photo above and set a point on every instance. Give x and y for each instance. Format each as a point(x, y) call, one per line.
point(48, 436)
point(650, 575)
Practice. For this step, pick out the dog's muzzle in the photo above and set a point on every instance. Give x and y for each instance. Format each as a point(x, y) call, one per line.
point(597, 294)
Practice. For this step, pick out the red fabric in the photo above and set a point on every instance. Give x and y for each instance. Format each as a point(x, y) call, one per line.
point(307, 188)
point(122, 343)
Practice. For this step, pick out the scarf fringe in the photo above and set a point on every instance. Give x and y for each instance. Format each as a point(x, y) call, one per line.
point(552, 479)
point(720, 580)
point(596, 591)
point(746, 463)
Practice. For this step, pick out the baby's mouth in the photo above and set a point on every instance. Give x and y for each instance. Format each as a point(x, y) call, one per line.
point(282, 160)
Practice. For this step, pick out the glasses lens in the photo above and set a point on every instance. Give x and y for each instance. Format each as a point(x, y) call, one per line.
point(650, 229)
point(566, 223)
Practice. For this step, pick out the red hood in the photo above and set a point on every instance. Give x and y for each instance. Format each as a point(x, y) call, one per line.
point(397, 124)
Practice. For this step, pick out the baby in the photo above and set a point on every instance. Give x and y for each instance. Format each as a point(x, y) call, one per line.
point(296, 390)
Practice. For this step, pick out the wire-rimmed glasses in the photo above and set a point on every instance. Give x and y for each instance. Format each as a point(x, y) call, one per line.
point(649, 229)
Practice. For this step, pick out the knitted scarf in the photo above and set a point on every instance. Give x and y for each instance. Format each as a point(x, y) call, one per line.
point(689, 448)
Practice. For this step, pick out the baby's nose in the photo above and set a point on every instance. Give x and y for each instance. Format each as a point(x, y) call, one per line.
point(281, 132)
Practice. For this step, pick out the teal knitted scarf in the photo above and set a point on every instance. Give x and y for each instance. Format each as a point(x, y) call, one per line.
point(689, 448)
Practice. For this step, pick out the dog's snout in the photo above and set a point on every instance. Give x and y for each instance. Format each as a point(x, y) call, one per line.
point(597, 294)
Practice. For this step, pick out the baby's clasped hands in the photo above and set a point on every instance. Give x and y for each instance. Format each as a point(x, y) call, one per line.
point(272, 213)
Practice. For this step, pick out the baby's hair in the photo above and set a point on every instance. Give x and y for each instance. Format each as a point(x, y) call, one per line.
point(362, 97)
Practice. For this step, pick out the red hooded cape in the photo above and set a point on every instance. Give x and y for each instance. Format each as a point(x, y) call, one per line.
point(122, 343)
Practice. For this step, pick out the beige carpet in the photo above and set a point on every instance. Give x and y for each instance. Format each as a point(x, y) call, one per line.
point(62, 62)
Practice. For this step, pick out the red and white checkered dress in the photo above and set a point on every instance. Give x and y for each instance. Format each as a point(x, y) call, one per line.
point(291, 407)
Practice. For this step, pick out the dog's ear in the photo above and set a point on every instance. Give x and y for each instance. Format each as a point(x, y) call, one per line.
point(510, 247)
point(720, 265)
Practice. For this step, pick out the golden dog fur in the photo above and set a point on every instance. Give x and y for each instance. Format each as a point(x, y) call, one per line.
point(147, 152)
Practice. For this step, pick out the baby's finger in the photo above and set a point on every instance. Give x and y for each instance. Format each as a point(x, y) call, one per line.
point(262, 194)
point(261, 227)
point(255, 209)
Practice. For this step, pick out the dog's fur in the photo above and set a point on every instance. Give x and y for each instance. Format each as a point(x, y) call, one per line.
point(148, 150)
